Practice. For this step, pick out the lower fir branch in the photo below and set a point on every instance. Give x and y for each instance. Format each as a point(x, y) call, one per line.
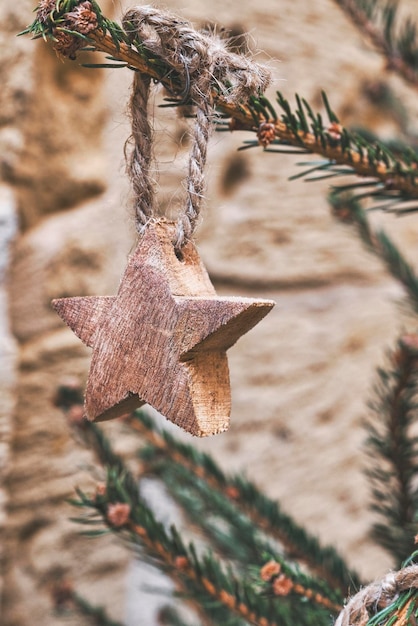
point(347, 208)
point(323, 561)
point(402, 612)
point(238, 538)
point(185, 569)
point(204, 579)
point(394, 450)
point(231, 535)
point(280, 584)
point(265, 514)
point(377, 21)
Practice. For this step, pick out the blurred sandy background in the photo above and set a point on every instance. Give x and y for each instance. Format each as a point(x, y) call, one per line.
point(300, 380)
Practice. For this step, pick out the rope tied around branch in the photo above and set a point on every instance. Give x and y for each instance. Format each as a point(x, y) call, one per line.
point(377, 596)
point(204, 65)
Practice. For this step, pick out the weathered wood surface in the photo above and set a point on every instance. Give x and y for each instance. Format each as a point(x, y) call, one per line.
point(163, 338)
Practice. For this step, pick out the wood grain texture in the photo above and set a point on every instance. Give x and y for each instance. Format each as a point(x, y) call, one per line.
point(163, 338)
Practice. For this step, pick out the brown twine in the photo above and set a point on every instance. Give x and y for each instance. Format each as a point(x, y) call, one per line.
point(201, 61)
point(377, 596)
point(140, 159)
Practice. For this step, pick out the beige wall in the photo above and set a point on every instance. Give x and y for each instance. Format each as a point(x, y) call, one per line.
point(300, 380)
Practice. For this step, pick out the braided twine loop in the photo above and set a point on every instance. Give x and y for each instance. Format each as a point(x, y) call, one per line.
point(377, 596)
point(202, 62)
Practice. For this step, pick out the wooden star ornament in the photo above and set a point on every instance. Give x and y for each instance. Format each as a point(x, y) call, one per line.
point(163, 338)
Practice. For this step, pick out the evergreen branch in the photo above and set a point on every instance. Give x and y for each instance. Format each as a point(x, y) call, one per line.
point(403, 611)
point(123, 512)
point(377, 20)
point(394, 450)
point(203, 577)
point(301, 129)
point(265, 513)
point(348, 209)
point(234, 539)
point(237, 537)
point(393, 175)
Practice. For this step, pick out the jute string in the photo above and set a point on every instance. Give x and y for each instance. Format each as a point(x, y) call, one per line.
point(377, 596)
point(202, 62)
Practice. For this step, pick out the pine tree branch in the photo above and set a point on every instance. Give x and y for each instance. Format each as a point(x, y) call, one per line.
point(402, 612)
point(393, 447)
point(234, 537)
point(394, 451)
point(119, 507)
point(282, 597)
point(238, 538)
point(265, 513)
point(123, 512)
point(394, 178)
point(122, 490)
point(347, 208)
point(377, 20)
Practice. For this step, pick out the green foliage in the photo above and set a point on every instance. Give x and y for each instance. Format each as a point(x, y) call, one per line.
point(392, 443)
point(391, 176)
point(266, 513)
point(391, 173)
point(224, 592)
point(394, 451)
point(396, 39)
point(348, 209)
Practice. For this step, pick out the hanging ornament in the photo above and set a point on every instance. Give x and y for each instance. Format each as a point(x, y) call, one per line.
point(162, 340)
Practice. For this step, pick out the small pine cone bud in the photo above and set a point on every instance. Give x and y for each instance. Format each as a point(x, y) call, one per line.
point(118, 514)
point(232, 492)
point(334, 131)
point(243, 609)
point(82, 19)
point(210, 587)
point(45, 9)
point(66, 45)
point(100, 490)
point(282, 585)
point(266, 133)
point(343, 214)
point(270, 569)
point(140, 531)
point(227, 599)
point(181, 562)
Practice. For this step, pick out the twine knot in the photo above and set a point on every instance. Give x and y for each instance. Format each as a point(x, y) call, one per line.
point(198, 57)
point(377, 596)
point(206, 69)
